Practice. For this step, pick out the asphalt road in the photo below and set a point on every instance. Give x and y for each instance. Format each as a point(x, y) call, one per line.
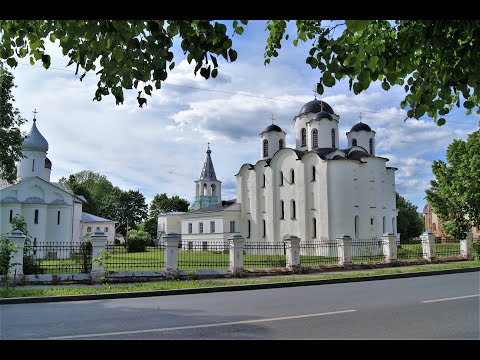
point(431, 307)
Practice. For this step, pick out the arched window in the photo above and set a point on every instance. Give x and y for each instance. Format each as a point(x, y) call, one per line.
point(89, 229)
point(292, 176)
point(314, 224)
point(282, 209)
point(314, 138)
point(204, 191)
point(58, 217)
point(265, 148)
point(313, 173)
point(106, 229)
point(98, 228)
point(434, 227)
point(304, 137)
point(11, 216)
point(370, 144)
point(393, 226)
point(281, 177)
point(212, 187)
point(248, 228)
point(333, 138)
point(293, 210)
point(33, 165)
point(354, 142)
point(384, 225)
point(280, 144)
point(356, 226)
point(35, 217)
point(264, 228)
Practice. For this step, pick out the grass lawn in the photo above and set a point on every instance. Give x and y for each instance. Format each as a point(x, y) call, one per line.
point(55, 290)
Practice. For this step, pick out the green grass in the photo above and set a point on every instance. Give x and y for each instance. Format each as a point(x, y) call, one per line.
point(189, 284)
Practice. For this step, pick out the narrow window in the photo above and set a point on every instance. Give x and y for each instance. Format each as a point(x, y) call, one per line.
point(292, 177)
point(371, 221)
point(384, 225)
point(33, 165)
point(35, 219)
point(98, 228)
point(11, 216)
point(434, 227)
point(212, 226)
point(356, 226)
point(333, 138)
point(281, 178)
point(190, 228)
point(265, 148)
point(314, 138)
point(280, 144)
point(304, 137)
point(58, 217)
point(200, 228)
point(232, 226)
point(313, 173)
point(248, 228)
point(282, 209)
point(293, 213)
point(354, 142)
point(264, 180)
point(89, 229)
point(393, 225)
point(370, 144)
point(314, 224)
point(106, 229)
point(264, 229)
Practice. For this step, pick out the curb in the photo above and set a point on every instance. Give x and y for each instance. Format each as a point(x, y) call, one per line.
point(123, 295)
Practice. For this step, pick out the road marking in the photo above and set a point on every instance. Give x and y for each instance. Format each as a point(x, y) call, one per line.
point(200, 326)
point(452, 298)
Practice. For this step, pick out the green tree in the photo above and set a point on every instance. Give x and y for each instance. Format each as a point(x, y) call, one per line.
point(434, 60)
point(161, 203)
point(138, 240)
point(11, 138)
point(129, 209)
point(455, 193)
point(409, 223)
point(150, 226)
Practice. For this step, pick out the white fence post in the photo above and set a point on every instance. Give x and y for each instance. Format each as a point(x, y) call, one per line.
point(98, 240)
point(466, 246)
point(292, 248)
point(236, 252)
point(17, 238)
point(389, 241)
point(172, 240)
point(344, 244)
point(428, 245)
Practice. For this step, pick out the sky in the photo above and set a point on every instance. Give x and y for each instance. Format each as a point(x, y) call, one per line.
point(160, 148)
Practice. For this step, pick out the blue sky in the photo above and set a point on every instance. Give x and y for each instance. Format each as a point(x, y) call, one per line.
point(161, 147)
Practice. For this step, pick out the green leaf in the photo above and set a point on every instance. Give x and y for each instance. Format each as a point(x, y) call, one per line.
point(171, 66)
point(205, 72)
point(232, 54)
point(441, 121)
point(356, 25)
point(385, 86)
point(357, 88)
point(468, 104)
point(12, 62)
point(328, 79)
point(214, 73)
point(46, 61)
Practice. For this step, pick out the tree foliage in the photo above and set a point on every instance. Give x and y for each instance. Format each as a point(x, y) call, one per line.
point(149, 226)
point(129, 209)
point(161, 203)
point(409, 222)
point(455, 193)
point(11, 138)
point(434, 60)
point(138, 240)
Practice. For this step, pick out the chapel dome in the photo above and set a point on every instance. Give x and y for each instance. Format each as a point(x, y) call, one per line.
point(323, 115)
point(315, 106)
point(271, 128)
point(361, 126)
point(34, 140)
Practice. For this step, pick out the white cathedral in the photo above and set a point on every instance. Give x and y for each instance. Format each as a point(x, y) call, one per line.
point(53, 213)
point(315, 191)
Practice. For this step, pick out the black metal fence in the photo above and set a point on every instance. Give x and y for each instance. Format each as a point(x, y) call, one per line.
point(410, 250)
point(447, 247)
point(315, 253)
point(198, 255)
point(118, 259)
point(57, 258)
point(367, 250)
point(264, 255)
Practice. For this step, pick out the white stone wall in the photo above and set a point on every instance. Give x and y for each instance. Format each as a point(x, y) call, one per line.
point(363, 138)
point(24, 168)
point(101, 225)
point(324, 128)
point(273, 138)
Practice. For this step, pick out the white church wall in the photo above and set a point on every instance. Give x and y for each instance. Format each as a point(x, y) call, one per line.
point(273, 138)
point(363, 137)
point(58, 232)
point(32, 165)
point(301, 122)
point(324, 128)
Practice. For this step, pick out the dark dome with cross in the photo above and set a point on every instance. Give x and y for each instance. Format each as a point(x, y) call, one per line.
point(316, 106)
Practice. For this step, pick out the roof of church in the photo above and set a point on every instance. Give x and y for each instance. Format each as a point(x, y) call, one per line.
point(34, 140)
point(271, 128)
point(217, 207)
point(315, 106)
point(86, 217)
point(361, 126)
point(208, 172)
point(323, 115)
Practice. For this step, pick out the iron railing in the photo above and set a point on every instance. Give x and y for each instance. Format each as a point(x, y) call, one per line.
point(198, 255)
point(264, 255)
point(146, 258)
point(57, 258)
point(410, 250)
point(314, 253)
point(449, 248)
point(367, 250)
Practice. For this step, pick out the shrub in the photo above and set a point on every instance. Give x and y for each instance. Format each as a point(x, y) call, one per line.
point(7, 250)
point(476, 250)
point(138, 240)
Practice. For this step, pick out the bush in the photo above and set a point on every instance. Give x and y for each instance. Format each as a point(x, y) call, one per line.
point(138, 240)
point(476, 250)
